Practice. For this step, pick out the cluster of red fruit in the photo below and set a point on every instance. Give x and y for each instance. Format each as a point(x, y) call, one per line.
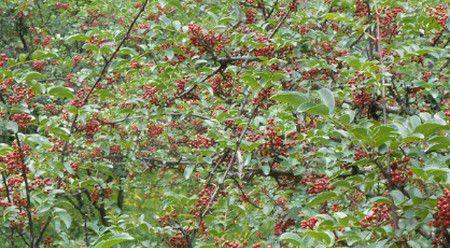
point(91, 127)
point(275, 143)
point(250, 15)
point(39, 65)
point(442, 215)
point(3, 59)
point(314, 73)
point(154, 130)
point(204, 198)
point(14, 159)
point(179, 240)
point(387, 22)
point(81, 94)
point(44, 41)
point(21, 119)
point(317, 183)
point(20, 93)
point(201, 142)
point(362, 10)
point(282, 226)
point(263, 98)
point(401, 174)
point(359, 154)
point(222, 84)
point(100, 193)
point(440, 15)
point(205, 41)
point(303, 127)
point(267, 48)
point(380, 214)
point(309, 223)
point(150, 93)
point(361, 98)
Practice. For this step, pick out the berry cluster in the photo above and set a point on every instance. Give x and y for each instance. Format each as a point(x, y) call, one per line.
point(380, 215)
point(283, 225)
point(20, 93)
point(359, 154)
point(205, 41)
point(440, 15)
point(91, 127)
point(135, 65)
point(154, 130)
point(21, 119)
point(309, 223)
point(179, 240)
point(150, 93)
point(38, 65)
point(250, 15)
point(222, 84)
point(361, 98)
point(275, 143)
point(201, 142)
point(204, 198)
point(115, 150)
point(317, 184)
point(263, 98)
point(362, 10)
point(400, 174)
point(3, 59)
point(442, 215)
point(387, 21)
point(267, 48)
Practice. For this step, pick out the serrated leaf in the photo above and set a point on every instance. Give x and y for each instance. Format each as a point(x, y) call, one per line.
point(327, 99)
point(292, 98)
point(5, 149)
point(292, 238)
point(32, 75)
point(188, 171)
point(61, 92)
point(322, 197)
point(114, 240)
point(64, 216)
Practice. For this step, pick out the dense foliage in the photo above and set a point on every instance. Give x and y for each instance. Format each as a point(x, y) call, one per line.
point(206, 123)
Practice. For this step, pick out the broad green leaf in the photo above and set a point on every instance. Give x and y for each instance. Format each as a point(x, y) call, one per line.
point(5, 149)
point(188, 171)
point(292, 98)
point(327, 99)
point(113, 240)
point(61, 92)
point(292, 238)
point(64, 216)
point(322, 197)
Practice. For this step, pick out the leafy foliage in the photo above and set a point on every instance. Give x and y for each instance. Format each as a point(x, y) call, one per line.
point(253, 123)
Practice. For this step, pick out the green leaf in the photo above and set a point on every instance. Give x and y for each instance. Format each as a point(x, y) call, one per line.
point(38, 139)
point(32, 75)
point(64, 216)
point(318, 109)
point(61, 92)
point(292, 98)
point(114, 240)
point(292, 238)
point(76, 37)
point(323, 197)
point(4, 149)
point(188, 171)
point(251, 81)
point(44, 55)
point(327, 99)
point(429, 128)
point(266, 169)
point(320, 236)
